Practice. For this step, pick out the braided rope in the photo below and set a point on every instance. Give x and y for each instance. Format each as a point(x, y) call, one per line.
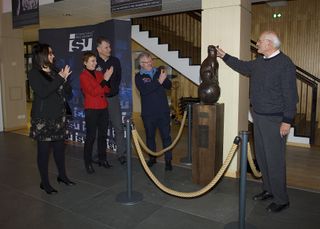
point(177, 193)
point(159, 153)
point(256, 173)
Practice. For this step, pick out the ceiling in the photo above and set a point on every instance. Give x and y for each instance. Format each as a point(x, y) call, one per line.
point(69, 13)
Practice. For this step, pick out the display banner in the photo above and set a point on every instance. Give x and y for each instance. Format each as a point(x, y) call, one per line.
point(69, 44)
point(25, 12)
point(134, 6)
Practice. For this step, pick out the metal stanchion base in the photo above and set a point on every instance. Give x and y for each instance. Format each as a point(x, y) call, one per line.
point(235, 225)
point(123, 198)
point(186, 161)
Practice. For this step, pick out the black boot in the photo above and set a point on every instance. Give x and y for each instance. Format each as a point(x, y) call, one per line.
point(104, 164)
point(122, 160)
point(89, 168)
point(151, 161)
point(48, 189)
point(168, 166)
point(65, 180)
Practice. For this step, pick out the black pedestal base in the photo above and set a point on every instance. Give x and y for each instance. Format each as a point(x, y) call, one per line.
point(235, 225)
point(133, 199)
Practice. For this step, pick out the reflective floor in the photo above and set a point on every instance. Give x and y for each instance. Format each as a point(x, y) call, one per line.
point(92, 202)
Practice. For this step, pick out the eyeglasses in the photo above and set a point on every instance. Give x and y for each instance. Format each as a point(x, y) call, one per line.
point(146, 62)
point(261, 40)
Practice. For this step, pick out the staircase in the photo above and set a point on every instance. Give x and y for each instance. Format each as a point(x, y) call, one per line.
point(182, 65)
point(171, 37)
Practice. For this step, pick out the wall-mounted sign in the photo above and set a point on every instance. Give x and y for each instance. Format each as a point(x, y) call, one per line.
point(134, 6)
point(25, 12)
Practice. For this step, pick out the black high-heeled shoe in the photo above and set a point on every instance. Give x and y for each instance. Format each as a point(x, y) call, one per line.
point(90, 169)
point(104, 164)
point(66, 181)
point(49, 190)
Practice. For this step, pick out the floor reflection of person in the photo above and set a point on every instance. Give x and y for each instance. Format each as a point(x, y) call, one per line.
point(48, 114)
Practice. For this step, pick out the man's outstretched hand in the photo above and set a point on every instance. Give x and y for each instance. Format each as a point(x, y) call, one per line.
point(220, 52)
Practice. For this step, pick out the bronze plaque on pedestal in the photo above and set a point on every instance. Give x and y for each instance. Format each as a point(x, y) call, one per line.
point(207, 141)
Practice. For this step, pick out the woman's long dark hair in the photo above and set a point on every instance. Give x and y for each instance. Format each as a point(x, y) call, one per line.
point(40, 54)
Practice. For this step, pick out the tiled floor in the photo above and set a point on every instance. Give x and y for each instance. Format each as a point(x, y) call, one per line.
point(92, 202)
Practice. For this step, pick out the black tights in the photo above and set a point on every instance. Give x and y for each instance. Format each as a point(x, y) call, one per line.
point(43, 159)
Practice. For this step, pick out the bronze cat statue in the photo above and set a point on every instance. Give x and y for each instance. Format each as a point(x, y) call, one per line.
point(209, 90)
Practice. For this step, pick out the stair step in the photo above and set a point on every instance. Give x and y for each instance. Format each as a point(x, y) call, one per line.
point(182, 65)
point(176, 42)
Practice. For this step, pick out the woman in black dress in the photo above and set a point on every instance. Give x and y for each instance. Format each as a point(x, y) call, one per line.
point(48, 114)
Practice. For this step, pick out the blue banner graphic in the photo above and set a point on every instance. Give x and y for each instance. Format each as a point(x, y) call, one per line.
point(69, 44)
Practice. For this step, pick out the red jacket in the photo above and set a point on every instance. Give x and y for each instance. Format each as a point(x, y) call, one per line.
point(93, 92)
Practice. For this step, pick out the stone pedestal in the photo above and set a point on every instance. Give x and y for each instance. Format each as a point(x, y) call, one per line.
point(207, 141)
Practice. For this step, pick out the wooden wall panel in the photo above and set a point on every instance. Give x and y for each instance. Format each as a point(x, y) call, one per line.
point(298, 29)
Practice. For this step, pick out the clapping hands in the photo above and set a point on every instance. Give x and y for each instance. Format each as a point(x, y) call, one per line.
point(163, 75)
point(65, 72)
point(108, 73)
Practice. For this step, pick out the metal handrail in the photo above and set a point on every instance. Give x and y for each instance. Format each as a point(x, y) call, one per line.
point(308, 74)
point(168, 28)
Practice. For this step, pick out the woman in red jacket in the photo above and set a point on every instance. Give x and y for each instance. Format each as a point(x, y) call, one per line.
point(95, 86)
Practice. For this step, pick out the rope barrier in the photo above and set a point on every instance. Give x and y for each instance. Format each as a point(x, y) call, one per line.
point(159, 153)
point(185, 194)
point(253, 167)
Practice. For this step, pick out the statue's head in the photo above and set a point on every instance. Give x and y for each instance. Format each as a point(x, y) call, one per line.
point(212, 51)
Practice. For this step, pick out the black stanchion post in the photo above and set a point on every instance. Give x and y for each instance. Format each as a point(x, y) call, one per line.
point(242, 196)
point(188, 159)
point(243, 171)
point(129, 197)
point(129, 163)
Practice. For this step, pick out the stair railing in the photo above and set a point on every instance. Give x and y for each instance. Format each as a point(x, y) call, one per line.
point(181, 31)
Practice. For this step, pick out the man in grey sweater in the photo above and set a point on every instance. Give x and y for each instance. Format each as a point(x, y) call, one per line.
point(273, 96)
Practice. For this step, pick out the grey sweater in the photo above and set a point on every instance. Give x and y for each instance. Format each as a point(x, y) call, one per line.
point(273, 88)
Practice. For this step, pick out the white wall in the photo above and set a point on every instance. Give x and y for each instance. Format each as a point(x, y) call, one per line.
point(227, 23)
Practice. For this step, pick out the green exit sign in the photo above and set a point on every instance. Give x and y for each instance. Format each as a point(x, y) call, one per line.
point(276, 15)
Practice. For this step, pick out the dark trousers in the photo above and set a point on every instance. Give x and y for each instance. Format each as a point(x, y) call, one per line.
point(115, 118)
point(43, 159)
point(96, 119)
point(151, 124)
point(270, 153)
